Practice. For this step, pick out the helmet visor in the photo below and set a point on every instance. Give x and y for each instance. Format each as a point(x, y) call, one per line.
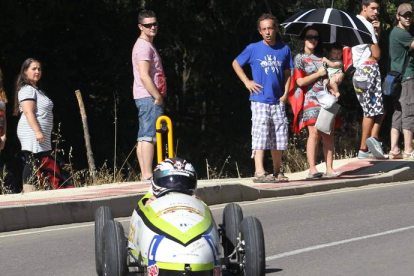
point(176, 182)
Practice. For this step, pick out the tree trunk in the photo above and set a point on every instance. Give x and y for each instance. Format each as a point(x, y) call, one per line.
point(89, 154)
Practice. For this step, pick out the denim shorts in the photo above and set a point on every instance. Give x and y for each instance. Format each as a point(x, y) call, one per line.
point(148, 114)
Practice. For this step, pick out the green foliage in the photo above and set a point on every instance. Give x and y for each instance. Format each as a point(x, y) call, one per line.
point(87, 45)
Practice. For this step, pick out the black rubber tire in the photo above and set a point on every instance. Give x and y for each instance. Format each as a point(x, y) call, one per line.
point(102, 215)
point(232, 217)
point(254, 248)
point(115, 256)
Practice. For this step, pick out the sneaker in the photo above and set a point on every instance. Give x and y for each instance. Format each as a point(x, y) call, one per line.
point(365, 155)
point(375, 147)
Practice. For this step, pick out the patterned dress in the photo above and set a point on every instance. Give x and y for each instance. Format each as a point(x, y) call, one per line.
point(304, 103)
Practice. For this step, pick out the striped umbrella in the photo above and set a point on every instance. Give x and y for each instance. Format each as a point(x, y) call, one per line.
point(333, 26)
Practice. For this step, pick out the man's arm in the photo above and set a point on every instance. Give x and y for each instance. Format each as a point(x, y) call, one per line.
point(376, 51)
point(251, 85)
point(144, 69)
point(287, 76)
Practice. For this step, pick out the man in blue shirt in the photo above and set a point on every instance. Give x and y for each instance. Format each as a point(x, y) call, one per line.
point(271, 63)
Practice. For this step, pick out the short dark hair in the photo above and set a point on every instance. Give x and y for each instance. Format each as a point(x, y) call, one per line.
point(368, 2)
point(335, 46)
point(266, 16)
point(145, 14)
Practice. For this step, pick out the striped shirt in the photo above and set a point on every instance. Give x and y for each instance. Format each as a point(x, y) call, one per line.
point(44, 115)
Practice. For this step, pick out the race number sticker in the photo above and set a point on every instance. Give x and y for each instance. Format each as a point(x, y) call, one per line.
point(152, 270)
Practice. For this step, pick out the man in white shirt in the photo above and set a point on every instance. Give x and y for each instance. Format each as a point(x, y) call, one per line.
point(367, 83)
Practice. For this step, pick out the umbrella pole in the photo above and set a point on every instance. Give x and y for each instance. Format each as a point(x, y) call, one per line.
point(332, 3)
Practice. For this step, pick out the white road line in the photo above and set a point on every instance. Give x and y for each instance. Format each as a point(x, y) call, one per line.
point(221, 206)
point(321, 246)
point(316, 194)
point(46, 230)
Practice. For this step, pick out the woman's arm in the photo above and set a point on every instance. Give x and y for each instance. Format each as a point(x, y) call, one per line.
point(311, 78)
point(28, 107)
point(3, 137)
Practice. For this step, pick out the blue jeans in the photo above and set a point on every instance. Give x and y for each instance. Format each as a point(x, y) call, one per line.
point(148, 114)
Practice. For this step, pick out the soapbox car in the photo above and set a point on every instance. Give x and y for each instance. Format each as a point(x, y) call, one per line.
point(176, 234)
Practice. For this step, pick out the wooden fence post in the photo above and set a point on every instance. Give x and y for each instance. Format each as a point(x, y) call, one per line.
point(91, 161)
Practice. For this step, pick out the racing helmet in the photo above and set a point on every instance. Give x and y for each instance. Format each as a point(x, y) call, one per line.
point(174, 175)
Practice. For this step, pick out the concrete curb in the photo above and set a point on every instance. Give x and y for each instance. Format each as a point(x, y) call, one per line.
point(40, 215)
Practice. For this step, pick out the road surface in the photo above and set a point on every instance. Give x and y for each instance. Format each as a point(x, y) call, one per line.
point(357, 231)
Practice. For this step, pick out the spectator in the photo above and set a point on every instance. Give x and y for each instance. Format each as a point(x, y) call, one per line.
point(307, 83)
point(35, 125)
point(3, 121)
point(335, 64)
point(271, 62)
point(401, 42)
point(367, 83)
point(149, 89)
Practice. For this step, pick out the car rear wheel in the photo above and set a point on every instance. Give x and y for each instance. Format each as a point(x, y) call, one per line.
point(102, 215)
point(253, 256)
point(115, 256)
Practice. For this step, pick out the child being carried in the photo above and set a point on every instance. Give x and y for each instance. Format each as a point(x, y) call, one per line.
point(335, 72)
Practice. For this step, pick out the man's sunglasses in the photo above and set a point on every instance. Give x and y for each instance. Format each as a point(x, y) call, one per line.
point(310, 37)
point(149, 25)
point(407, 15)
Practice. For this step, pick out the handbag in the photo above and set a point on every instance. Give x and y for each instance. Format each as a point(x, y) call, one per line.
point(326, 119)
point(325, 98)
point(392, 82)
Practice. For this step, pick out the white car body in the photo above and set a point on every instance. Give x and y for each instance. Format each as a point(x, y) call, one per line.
point(173, 231)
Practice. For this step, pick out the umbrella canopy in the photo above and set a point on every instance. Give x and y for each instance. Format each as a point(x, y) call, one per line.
point(333, 26)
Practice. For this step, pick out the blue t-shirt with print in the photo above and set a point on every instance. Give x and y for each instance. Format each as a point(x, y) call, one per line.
point(267, 63)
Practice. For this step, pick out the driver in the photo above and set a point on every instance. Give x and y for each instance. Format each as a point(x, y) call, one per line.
point(173, 175)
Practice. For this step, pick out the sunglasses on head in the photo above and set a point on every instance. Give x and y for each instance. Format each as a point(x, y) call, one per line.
point(310, 37)
point(149, 25)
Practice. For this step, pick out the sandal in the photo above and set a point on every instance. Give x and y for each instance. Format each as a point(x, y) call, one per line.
point(280, 177)
point(394, 155)
point(313, 176)
point(264, 178)
point(408, 155)
point(333, 175)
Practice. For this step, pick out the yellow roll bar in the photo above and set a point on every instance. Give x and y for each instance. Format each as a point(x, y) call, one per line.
point(159, 130)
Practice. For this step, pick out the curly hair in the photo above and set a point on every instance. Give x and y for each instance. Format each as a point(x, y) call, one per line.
point(267, 16)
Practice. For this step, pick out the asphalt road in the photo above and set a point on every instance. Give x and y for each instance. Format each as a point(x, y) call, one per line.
point(362, 231)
